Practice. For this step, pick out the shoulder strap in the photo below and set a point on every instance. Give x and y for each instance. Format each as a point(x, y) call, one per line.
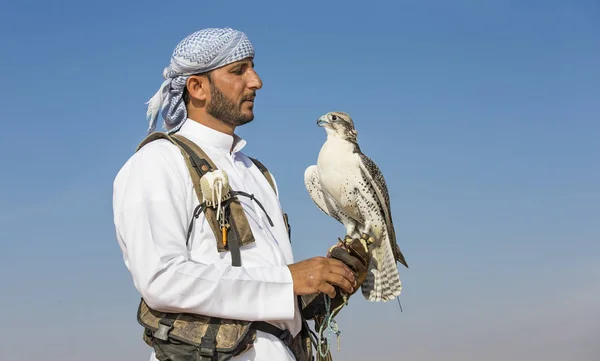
point(198, 163)
point(264, 171)
point(267, 175)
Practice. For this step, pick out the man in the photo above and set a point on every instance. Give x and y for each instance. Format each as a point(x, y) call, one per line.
point(209, 90)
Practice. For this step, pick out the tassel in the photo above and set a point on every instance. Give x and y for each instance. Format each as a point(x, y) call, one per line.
point(155, 104)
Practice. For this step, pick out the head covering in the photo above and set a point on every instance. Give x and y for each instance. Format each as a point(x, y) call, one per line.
point(199, 52)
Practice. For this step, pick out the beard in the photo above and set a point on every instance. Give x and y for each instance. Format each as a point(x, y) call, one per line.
point(222, 108)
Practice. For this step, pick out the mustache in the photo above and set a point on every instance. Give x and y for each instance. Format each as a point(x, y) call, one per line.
point(250, 97)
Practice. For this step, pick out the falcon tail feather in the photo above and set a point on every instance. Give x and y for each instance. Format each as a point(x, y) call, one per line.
point(383, 281)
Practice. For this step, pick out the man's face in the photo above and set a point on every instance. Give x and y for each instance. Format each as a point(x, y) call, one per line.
point(232, 92)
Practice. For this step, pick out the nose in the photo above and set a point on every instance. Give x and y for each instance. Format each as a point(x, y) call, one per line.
point(254, 82)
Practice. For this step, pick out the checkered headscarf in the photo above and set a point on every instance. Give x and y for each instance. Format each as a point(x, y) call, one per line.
point(199, 52)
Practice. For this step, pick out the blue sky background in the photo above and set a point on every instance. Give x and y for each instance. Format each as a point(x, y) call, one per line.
point(483, 115)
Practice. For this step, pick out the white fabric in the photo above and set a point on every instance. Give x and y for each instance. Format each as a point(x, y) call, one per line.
point(153, 203)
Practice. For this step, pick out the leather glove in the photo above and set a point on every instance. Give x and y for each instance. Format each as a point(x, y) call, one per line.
point(357, 256)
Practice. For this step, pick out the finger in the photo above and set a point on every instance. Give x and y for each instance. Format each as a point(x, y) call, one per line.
point(345, 273)
point(327, 289)
point(336, 263)
point(357, 264)
point(341, 281)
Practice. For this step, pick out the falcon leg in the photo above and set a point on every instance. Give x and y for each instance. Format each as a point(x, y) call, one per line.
point(350, 227)
point(367, 230)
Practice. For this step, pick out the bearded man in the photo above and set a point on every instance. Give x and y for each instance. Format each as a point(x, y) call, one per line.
point(200, 299)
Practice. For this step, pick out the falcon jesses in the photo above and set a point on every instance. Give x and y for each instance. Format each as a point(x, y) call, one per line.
point(348, 186)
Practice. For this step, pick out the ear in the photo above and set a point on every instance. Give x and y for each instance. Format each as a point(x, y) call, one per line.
point(198, 87)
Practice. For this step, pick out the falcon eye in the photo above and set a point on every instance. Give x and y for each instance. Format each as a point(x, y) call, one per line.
point(334, 117)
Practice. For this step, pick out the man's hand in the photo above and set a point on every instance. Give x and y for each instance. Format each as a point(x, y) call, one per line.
point(321, 274)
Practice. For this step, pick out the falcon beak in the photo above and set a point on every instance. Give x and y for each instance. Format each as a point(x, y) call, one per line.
point(321, 122)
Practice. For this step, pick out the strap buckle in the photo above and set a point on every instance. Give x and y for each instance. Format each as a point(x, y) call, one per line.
point(207, 346)
point(286, 337)
point(165, 325)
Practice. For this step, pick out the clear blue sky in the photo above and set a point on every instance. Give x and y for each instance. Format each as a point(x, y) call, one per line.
point(483, 115)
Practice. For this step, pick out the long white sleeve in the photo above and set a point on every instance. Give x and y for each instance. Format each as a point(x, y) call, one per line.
point(153, 203)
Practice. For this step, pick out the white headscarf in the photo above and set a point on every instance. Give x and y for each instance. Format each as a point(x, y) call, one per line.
point(199, 52)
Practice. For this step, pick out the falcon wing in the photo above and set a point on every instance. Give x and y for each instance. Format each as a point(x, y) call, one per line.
point(373, 174)
point(321, 199)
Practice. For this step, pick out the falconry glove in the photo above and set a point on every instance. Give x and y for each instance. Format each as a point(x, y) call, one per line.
point(354, 253)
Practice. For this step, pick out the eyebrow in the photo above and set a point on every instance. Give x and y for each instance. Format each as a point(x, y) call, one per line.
point(245, 63)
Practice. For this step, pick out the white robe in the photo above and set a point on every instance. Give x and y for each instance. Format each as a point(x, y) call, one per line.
point(153, 202)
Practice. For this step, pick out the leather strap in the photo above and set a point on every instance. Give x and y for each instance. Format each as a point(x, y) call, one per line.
point(284, 335)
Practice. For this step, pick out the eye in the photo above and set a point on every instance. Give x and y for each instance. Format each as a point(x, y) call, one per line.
point(334, 117)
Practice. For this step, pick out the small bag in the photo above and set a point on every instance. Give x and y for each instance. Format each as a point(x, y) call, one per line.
point(194, 337)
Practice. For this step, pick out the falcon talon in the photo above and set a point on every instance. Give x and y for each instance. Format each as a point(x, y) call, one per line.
point(331, 249)
point(365, 245)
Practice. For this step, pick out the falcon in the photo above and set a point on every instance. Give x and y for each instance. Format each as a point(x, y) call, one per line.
point(348, 186)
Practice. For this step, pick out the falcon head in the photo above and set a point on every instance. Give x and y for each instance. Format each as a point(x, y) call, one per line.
point(338, 124)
